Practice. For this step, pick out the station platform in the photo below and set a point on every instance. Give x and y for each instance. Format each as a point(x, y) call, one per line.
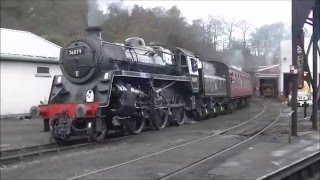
point(265, 157)
point(271, 151)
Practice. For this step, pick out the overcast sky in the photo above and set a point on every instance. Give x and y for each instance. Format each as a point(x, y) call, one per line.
point(257, 12)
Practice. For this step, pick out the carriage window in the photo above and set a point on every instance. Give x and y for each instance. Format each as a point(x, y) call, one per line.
point(236, 76)
point(237, 79)
point(194, 65)
point(242, 81)
point(213, 85)
point(183, 60)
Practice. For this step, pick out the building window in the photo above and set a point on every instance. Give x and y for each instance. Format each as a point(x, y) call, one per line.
point(43, 71)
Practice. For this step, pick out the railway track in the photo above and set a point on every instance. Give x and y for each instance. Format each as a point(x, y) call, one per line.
point(12, 156)
point(257, 117)
point(20, 154)
point(196, 163)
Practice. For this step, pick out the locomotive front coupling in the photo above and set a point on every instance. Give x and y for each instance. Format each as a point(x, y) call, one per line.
point(65, 118)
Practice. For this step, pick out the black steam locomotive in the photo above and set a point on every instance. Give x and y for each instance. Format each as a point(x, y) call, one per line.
point(129, 86)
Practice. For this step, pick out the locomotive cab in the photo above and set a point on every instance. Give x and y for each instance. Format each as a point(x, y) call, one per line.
point(190, 65)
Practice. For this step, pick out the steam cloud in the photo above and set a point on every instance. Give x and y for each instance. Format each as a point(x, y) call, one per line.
point(95, 16)
point(235, 59)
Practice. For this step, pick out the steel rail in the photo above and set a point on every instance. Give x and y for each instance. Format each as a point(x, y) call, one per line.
point(196, 163)
point(43, 149)
point(25, 149)
point(13, 155)
point(293, 168)
point(172, 148)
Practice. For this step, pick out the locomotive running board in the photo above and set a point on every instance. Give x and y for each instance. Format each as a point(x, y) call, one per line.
point(153, 76)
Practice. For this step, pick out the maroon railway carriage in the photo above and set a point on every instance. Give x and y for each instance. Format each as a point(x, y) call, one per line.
point(239, 83)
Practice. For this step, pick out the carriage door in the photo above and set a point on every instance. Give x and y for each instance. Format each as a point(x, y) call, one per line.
point(194, 65)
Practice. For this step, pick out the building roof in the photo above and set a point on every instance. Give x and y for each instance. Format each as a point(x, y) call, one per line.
point(272, 71)
point(19, 45)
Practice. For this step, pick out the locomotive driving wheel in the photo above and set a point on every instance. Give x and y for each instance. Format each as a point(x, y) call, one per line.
point(135, 124)
point(158, 111)
point(178, 113)
point(98, 130)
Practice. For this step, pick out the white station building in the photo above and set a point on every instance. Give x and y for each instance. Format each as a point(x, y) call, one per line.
point(285, 60)
point(28, 64)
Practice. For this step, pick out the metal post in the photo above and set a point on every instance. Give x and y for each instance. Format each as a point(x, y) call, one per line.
point(46, 125)
point(290, 129)
point(294, 82)
point(316, 29)
point(287, 114)
point(305, 109)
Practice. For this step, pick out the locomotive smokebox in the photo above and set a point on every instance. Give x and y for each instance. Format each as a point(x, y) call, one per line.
point(94, 31)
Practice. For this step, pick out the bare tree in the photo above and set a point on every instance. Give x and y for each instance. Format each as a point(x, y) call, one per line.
point(244, 26)
point(213, 30)
point(230, 27)
point(256, 43)
point(265, 41)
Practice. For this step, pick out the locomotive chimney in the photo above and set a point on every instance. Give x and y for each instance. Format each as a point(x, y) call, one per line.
point(94, 32)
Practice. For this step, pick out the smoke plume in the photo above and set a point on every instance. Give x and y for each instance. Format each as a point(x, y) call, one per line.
point(95, 16)
point(235, 59)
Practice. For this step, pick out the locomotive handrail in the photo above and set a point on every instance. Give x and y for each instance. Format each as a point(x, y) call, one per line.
point(147, 53)
point(129, 49)
point(57, 93)
point(132, 47)
point(75, 47)
point(135, 54)
point(61, 62)
point(132, 60)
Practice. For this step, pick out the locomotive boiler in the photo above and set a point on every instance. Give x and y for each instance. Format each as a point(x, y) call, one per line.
point(129, 86)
